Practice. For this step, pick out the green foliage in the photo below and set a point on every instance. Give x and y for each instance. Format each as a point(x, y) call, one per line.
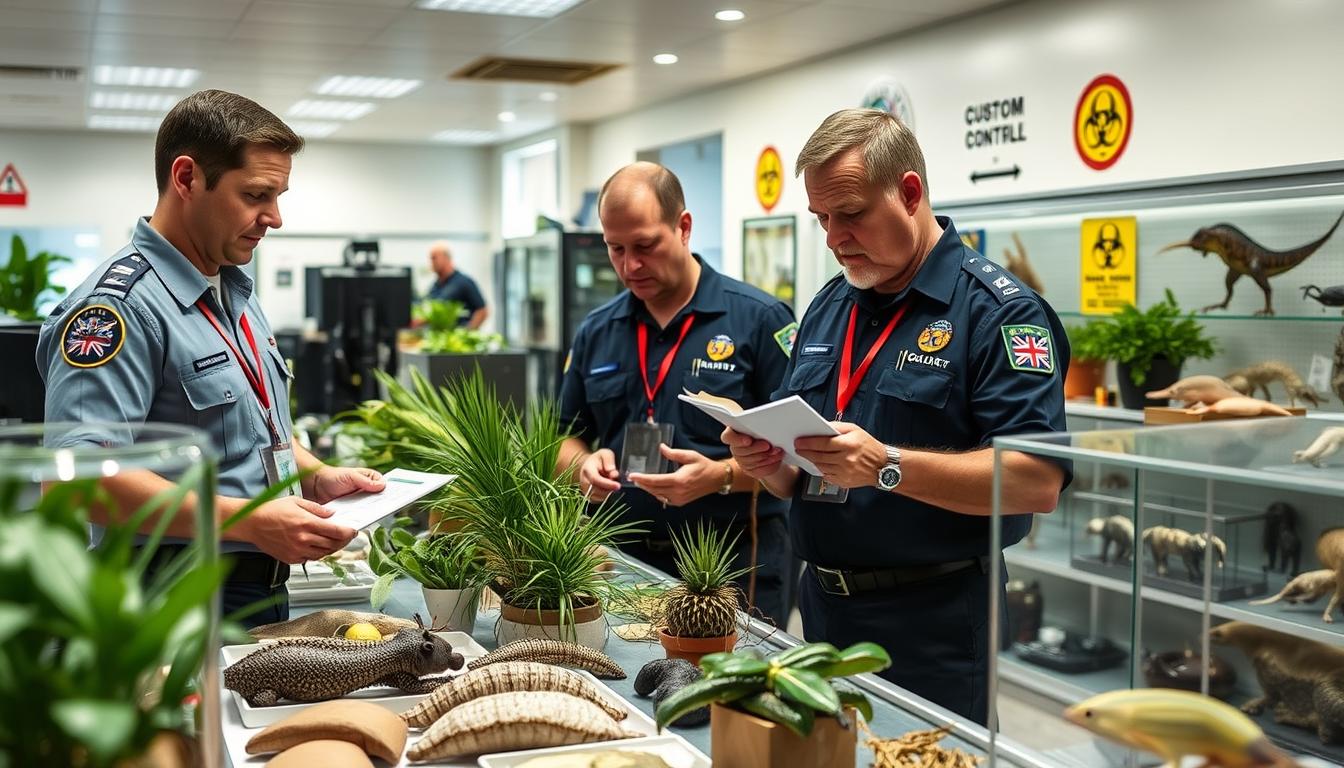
point(439, 561)
point(442, 335)
point(25, 281)
point(1086, 341)
point(1135, 337)
point(704, 558)
point(791, 687)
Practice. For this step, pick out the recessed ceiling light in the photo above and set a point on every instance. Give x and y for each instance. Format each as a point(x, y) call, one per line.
point(156, 77)
point(124, 122)
point(141, 101)
point(330, 110)
point(366, 87)
point(541, 9)
point(548, 96)
point(316, 130)
point(665, 58)
point(464, 136)
point(730, 14)
point(507, 117)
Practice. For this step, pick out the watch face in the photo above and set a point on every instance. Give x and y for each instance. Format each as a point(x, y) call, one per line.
point(889, 477)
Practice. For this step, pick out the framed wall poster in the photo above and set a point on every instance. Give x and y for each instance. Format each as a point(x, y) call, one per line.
point(770, 255)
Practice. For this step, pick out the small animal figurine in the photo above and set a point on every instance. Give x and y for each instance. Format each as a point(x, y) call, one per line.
point(1337, 381)
point(1260, 375)
point(1305, 588)
point(1239, 406)
point(1328, 297)
point(1196, 389)
point(1322, 448)
point(1280, 540)
point(1302, 680)
point(1020, 266)
point(1193, 556)
point(1330, 552)
point(1117, 530)
point(1174, 724)
point(1191, 547)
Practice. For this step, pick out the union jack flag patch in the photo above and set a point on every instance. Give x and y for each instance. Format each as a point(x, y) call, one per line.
point(1029, 348)
point(93, 336)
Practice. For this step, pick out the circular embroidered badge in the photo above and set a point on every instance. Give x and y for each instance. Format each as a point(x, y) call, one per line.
point(93, 336)
point(935, 336)
point(720, 347)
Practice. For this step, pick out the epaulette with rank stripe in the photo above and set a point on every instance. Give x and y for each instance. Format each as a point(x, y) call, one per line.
point(123, 274)
point(1000, 282)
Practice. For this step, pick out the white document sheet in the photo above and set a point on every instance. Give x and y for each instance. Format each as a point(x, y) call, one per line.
point(360, 510)
point(778, 423)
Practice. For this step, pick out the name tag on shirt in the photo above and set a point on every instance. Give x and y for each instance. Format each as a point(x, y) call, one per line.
point(280, 465)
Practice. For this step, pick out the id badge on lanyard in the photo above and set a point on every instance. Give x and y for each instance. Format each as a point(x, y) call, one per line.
point(278, 459)
point(640, 450)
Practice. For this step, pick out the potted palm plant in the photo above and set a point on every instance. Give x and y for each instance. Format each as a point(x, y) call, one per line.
point(782, 710)
point(699, 615)
point(448, 568)
point(1149, 347)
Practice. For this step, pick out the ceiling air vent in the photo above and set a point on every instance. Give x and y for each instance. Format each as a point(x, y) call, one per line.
point(532, 70)
point(39, 73)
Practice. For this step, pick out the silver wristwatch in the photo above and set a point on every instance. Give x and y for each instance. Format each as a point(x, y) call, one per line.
point(889, 476)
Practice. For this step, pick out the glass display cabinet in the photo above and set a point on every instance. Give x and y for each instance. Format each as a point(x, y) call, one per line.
point(1183, 557)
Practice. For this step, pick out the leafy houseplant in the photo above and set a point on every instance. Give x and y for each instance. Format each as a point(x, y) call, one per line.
point(704, 606)
point(25, 282)
point(1141, 341)
point(448, 569)
point(442, 335)
point(1087, 360)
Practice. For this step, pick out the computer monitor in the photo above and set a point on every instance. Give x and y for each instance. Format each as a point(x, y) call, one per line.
point(361, 311)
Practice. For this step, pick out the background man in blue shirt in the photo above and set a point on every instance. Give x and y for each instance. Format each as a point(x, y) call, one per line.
point(702, 331)
point(922, 352)
point(452, 285)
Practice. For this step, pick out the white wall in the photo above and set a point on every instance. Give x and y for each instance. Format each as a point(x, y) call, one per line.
point(103, 181)
point(1216, 87)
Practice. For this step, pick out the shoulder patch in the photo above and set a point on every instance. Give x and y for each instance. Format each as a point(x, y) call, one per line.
point(1029, 348)
point(92, 336)
point(123, 274)
point(999, 281)
point(784, 337)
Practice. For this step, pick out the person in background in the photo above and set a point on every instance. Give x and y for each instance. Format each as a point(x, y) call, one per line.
point(921, 352)
point(678, 325)
point(170, 330)
point(450, 284)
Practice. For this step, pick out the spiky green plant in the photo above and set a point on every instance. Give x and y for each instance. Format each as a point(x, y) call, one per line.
point(705, 603)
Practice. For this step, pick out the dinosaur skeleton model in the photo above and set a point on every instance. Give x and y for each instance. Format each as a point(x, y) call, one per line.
point(1260, 375)
point(1245, 257)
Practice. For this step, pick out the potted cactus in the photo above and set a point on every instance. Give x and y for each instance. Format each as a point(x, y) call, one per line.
point(781, 710)
point(699, 615)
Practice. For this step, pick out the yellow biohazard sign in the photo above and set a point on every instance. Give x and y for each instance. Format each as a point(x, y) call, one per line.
point(769, 178)
point(1110, 250)
point(1102, 122)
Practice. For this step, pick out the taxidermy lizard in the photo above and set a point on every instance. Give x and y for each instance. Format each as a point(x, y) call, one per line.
point(1245, 257)
point(1260, 375)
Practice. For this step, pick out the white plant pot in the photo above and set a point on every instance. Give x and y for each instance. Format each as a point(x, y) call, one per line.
point(452, 609)
point(591, 633)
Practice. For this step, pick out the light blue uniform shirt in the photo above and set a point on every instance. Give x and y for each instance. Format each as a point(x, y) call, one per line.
point(130, 346)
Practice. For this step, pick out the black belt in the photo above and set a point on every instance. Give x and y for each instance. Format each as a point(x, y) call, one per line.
point(846, 583)
point(247, 567)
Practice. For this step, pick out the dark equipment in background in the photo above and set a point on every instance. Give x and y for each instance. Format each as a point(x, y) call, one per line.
point(22, 394)
point(360, 306)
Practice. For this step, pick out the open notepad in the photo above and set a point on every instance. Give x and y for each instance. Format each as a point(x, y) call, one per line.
point(360, 510)
point(778, 423)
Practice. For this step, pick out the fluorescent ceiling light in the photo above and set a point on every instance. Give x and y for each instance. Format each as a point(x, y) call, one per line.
point(540, 9)
point(154, 77)
point(141, 101)
point(124, 122)
point(506, 117)
point(314, 130)
point(548, 96)
point(464, 136)
point(330, 110)
point(366, 87)
point(730, 14)
point(665, 58)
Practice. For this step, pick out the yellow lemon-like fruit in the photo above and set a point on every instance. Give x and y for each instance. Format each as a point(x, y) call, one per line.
point(363, 631)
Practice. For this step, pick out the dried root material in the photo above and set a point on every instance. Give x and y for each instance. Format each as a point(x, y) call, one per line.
point(509, 721)
point(554, 652)
point(916, 749)
point(506, 677)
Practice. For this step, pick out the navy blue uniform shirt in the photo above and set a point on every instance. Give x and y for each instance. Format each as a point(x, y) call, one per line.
point(737, 347)
point(977, 355)
point(460, 288)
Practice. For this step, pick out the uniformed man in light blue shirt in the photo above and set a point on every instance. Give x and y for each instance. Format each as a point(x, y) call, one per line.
point(170, 330)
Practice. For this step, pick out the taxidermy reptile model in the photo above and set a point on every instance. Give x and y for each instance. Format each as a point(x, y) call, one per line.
point(329, 623)
point(1117, 530)
point(316, 669)
point(1195, 389)
point(1323, 447)
point(1240, 406)
point(1244, 256)
point(1260, 375)
point(1328, 297)
point(506, 677)
point(1175, 724)
point(509, 721)
point(554, 652)
point(1302, 680)
point(1305, 588)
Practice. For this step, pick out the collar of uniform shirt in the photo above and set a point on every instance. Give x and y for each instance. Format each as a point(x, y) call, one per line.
point(937, 278)
point(706, 301)
point(183, 280)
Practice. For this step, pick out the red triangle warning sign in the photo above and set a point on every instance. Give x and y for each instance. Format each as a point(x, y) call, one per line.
point(12, 189)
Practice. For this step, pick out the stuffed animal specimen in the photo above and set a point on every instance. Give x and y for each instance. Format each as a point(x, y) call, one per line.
point(1306, 588)
point(1195, 389)
point(1261, 375)
point(1240, 406)
point(554, 652)
point(1280, 540)
point(1302, 680)
point(1328, 297)
point(1330, 551)
point(509, 721)
point(506, 677)
point(1190, 547)
point(1322, 448)
point(1117, 530)
point(329, 623)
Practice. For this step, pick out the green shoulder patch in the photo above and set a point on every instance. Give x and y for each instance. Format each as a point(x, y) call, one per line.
point(1029, 348)
point(784, 337)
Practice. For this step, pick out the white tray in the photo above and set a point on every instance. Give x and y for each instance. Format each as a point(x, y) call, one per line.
point(390, 698)
point(320, 586)
point(674, 751)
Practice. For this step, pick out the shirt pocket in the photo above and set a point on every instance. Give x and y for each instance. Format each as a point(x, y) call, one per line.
point(700, 426)
point(606, 397)
point(810, 381)
point(217, 398)
point(910, 406)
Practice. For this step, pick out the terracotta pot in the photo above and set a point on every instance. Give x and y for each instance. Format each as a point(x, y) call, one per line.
point(692, 648)
point(589, 630)
point(740, 740)
point(1083, 378)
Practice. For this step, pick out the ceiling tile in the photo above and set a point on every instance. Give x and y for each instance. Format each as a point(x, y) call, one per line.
point(421, 28)
point(223, 10)
point(68, 6)
point(26, 19)
point(599, 34)
point(12, 40)
point(683, 13)
point(327, 15)
point(301, 35)
point(208, 29)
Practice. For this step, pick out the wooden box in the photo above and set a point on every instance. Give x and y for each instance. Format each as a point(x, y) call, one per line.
point(740, 740)
point(1156, 415)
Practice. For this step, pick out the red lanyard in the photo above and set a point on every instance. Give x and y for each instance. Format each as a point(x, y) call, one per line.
point(258, 378)
point(667, 359)
point(849, 384)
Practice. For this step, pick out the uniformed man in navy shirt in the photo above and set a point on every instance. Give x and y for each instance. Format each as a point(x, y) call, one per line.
point(450, 284)
point(169, 330)
point(921, 352)
point(679, 325)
